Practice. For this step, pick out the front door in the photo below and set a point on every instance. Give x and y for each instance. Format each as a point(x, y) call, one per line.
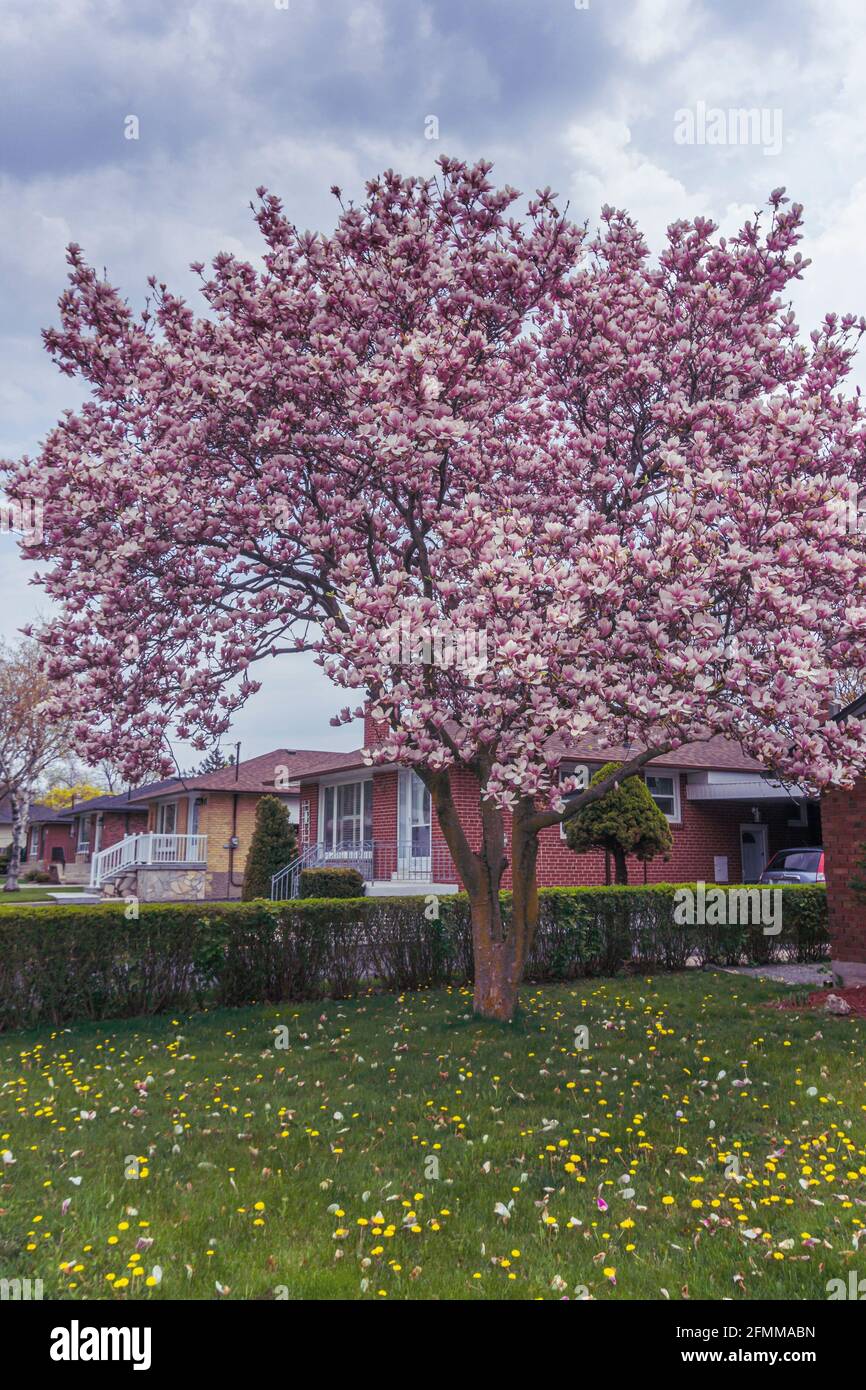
point(414, 828)
point(753, 851)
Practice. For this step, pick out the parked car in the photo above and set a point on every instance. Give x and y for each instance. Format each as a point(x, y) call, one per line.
point(795, 866)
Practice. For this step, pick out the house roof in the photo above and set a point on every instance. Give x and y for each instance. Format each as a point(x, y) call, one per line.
point(714, 754)
point(258, 775)
point(6, 810)
point(122, 801)
point(855, 708)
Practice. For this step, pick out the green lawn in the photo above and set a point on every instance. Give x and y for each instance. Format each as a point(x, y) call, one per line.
point(399, 1148)
point(34, 893)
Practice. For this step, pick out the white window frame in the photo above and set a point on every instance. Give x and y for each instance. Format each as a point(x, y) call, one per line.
point(407, 787)
point(366, 785)
point(159, 818)
point(676, 818)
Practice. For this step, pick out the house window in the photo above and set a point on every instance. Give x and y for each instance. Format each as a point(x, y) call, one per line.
point(166, 818)
point(347, 814)
point(664, 788)
point(413, 819)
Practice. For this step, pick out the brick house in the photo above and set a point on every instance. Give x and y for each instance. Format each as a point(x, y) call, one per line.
point(188, 837)
point(727, 819)
point(844, 819)
point(192, 833)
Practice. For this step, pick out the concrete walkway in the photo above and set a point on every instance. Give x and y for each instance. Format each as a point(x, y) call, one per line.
point(814, 975)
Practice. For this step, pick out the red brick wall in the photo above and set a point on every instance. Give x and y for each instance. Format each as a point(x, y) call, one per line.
point(309, 796)
point(56, 836)
point(373, 731)
point(707, 829)
point(844, 823)
point(385, 806)
point(114, 826)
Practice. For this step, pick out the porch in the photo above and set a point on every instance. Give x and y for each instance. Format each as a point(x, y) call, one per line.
point(145, 850)
point(387, 867)
point(755, 816)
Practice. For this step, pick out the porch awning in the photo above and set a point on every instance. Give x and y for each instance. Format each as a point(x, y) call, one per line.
point(749, 789)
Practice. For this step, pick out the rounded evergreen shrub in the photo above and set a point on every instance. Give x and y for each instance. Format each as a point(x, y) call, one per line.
point(331, 883)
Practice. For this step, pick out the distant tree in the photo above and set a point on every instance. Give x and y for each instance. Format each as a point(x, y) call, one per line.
point(60, 797)
point(32, 739)
point(215, 761)
point(274, 843)
point(624, 821)
point(849, 687)
point(108, 773)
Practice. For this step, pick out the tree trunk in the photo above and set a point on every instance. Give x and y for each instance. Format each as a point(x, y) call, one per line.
point(620, 864)
point(499, 948)
point(20, 808)
point(497, 977)
point(502, 950)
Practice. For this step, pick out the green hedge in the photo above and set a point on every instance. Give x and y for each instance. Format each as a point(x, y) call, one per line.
point(62, 963)
point(331, 883)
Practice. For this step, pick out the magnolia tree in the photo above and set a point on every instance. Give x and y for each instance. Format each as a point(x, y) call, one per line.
point(630, 476)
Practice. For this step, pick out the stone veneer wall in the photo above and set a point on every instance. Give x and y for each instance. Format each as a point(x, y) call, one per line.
point(165, 883)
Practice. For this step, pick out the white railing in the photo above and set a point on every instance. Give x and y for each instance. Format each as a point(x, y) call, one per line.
point(147, 848)
point(374, 859)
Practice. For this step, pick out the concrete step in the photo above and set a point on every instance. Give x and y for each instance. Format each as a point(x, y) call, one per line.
point(75, 873)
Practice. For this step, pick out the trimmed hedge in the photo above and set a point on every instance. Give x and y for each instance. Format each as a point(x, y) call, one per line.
point(63, 963)
point(331, 883)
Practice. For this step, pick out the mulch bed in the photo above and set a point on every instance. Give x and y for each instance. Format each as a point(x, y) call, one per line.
point(855, 997)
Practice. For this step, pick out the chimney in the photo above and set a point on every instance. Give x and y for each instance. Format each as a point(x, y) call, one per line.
point(374, 731)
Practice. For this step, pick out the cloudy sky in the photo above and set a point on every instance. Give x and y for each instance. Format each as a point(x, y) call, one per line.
point(302, 94)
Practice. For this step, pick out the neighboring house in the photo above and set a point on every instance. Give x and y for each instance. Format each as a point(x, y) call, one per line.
point(727, 818)
point(70, 837)
point(194, 832)
point(844, 819)
point(6, 823)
